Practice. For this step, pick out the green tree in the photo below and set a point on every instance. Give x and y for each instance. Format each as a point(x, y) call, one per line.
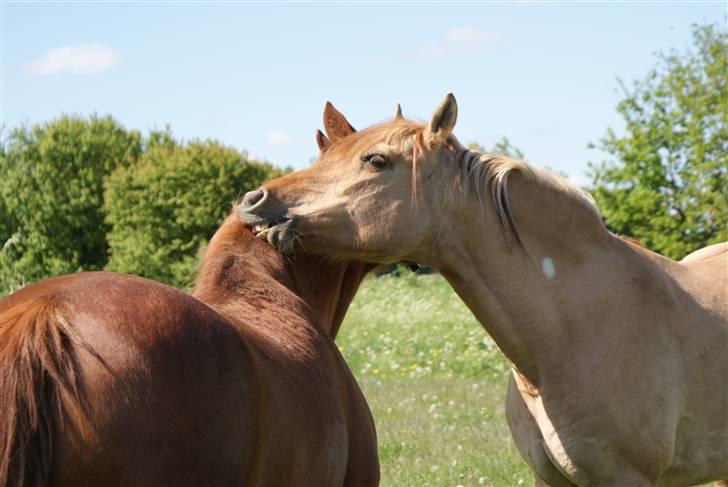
point(51, 196)
point(666, 181)
point(164, 208)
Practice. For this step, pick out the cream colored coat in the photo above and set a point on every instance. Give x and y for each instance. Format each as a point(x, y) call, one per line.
point(620, 356)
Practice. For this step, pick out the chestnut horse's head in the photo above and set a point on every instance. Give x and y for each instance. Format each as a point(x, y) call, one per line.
point(369, 195)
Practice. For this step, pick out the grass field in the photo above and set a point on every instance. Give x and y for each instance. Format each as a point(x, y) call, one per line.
point(435, 383)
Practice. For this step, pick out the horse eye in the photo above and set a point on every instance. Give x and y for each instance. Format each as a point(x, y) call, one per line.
point(375, 162)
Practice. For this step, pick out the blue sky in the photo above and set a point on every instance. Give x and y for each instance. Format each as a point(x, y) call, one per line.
point(256, 76)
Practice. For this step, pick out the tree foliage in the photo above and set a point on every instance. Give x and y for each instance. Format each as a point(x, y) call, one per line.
point(51, 216)
point(163, 209)
point(86, 194)
point(665, 183)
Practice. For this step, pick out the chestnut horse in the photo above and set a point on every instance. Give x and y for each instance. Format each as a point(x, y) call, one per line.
point(620, 355)
point(109, 379)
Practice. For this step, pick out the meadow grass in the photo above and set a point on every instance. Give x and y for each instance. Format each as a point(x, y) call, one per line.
point(435, 383)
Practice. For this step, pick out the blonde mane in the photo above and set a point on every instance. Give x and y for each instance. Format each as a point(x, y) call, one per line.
point(490, 173)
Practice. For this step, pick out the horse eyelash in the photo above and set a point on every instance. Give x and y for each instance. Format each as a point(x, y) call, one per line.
point(367, 159)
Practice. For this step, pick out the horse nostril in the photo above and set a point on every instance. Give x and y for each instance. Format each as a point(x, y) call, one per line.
point(253, 198)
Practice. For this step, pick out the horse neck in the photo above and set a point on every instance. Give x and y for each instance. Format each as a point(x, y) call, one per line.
point(528, 298)
point(238, 271)
point(328, 287)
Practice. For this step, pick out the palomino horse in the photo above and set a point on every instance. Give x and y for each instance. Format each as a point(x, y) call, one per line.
point(620, 356)
point(107, 379)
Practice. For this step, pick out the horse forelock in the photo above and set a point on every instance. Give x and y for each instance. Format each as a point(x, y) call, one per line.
point(396, 132)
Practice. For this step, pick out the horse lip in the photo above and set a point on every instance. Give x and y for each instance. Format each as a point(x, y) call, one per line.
point(279, 236)
point(280, 224)
point(250, 219)
point(263, 226)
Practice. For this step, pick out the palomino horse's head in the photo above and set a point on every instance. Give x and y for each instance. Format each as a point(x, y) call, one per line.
point(369, 195)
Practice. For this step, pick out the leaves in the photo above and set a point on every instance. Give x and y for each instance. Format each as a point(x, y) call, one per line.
point(666, 181)
point(87, 194)
point(163, 209)
point(51, 220)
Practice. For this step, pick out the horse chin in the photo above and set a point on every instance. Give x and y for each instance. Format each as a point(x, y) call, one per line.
point(282, 236)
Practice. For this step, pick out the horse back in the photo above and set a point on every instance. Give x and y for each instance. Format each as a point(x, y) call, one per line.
point(121, 380)
point(715, 250)
point(706, 278)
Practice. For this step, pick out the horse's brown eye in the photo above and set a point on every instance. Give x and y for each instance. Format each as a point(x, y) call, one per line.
point(375, 162)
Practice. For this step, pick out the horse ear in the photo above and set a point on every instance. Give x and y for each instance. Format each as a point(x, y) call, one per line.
point(335, 124)
point(443, 121)
point(322, 142)
point(398, 112)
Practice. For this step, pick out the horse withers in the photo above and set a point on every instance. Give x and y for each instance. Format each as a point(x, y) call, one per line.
point(108, 379)
point(619, 355)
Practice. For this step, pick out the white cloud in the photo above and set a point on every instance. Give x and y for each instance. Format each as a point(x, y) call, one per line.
point(80, 59)
point(277, 139)
point(457, 41)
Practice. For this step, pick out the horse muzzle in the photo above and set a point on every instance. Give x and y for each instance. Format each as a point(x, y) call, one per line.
point(268, 222)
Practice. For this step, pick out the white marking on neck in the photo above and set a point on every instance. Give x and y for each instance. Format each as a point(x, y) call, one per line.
point(547, 266)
